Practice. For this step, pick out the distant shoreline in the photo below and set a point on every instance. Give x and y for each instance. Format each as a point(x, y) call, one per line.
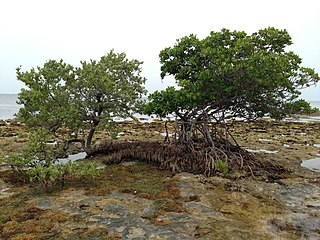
point(9, 107)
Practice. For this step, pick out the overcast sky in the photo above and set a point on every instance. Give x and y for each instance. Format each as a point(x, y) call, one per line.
point(33, 31)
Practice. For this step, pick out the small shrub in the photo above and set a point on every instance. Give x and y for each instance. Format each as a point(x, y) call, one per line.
point(22, 134)
point(315, 110)
point(114, 133)
point(54, 176)
point(41, 165)
point(222, 166)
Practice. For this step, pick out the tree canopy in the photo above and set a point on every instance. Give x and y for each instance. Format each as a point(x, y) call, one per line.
point(232, 74)
point(59, 94)
point(227, 74)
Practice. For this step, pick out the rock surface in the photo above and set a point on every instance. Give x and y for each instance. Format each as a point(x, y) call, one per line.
point(217, 209)
point(238, 207)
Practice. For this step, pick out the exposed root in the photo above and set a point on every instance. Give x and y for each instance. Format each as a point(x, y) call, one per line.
point(179, 158)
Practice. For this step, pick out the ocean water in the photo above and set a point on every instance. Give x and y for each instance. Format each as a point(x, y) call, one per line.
point(315, 104)
point(9, 107)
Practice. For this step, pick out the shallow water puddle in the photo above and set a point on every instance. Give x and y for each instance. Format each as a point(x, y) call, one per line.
point(313, 164)
point(304, 119)
point(265, 140)
point(261, 151)
point(72, 158)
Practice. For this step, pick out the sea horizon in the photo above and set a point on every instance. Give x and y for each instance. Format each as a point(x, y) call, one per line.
point(9, 107)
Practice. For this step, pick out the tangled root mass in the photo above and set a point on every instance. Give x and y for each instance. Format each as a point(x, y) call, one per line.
point(178, 157)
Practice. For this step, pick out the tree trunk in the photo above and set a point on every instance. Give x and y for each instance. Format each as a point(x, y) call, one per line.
point(88, 145)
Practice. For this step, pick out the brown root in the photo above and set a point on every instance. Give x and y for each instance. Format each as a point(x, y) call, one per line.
point(179, 157)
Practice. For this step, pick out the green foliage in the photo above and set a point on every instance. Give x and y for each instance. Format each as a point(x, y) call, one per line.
point(80, 169)
point(113, 130)
point(60, 95)
point(45, 175)
point(45, 100)
point(53, 176)
point(42, 166)
point(301, 107)
point(315, 110)
point(22, 134)
point(36, 151)
point(114, 133)
point(221, 166)
point(243, 75)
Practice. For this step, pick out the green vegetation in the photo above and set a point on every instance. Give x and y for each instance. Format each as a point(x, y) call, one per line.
point(221, 166)
point(224, 76)
point(88, 97)
point(247, 76)
point(20, 216)
point(142, 180)
point(221, 77)
point(80, 100)
point(41, 165)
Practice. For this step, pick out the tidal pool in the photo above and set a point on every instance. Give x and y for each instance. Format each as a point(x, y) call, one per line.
point(72, 158)
point(313, 164)
point(261, 151)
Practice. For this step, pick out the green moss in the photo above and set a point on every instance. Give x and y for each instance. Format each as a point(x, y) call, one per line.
point(143, 180)
point(136, 178)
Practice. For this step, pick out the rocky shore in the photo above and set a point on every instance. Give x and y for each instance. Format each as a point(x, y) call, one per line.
point(134, 200)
